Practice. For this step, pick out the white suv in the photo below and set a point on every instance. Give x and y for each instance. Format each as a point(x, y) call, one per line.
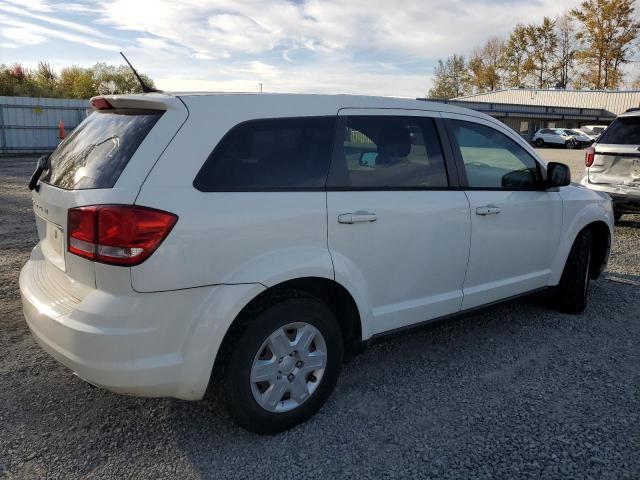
point(254, 242)
point(554, 136)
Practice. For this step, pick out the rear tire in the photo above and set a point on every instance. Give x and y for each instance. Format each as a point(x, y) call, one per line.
point(254, 347)
point(572, 291)
point(539, 143)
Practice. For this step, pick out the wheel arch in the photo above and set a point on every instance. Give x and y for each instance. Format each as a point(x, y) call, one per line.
point(601, 244)
point(334, 295)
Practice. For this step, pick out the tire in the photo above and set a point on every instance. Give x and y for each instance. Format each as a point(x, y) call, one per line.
point(570, 145)
point(253, 346)
point(617, 215)
point(539, 143)
point(572, 291)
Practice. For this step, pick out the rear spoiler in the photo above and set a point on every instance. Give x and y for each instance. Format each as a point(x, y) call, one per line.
point(148, 101)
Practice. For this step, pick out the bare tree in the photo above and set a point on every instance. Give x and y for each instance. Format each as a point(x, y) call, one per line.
point(566, 49)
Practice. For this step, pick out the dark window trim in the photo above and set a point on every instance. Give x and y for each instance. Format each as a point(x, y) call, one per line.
point(464, 182)
point(264, 189)
point(445, 147)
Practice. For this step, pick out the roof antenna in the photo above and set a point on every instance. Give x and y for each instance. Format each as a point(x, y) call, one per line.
point(145, 87)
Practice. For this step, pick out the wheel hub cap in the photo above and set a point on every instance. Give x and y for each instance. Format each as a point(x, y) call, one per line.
point(288, 367)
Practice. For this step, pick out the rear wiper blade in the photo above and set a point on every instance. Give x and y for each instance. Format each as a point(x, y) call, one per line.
point(42, 165)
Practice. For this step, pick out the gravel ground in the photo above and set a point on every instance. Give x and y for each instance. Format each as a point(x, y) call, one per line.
point(517, 392)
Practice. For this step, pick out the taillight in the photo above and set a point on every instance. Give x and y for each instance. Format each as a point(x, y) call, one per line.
point(589, 156)
point(117, 234)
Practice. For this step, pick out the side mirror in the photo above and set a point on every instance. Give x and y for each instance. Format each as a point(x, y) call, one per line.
point(558, 175)
point(368, 159)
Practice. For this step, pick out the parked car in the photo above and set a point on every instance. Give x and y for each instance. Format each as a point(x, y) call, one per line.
point(553, 137)
point(581, 139)
point(251, 243)
point(612, 164)
point(593, 135)
point(596, 129)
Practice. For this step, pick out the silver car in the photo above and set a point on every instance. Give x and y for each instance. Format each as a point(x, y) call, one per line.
point(613, 163)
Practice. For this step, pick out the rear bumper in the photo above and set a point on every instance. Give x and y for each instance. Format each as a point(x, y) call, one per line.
point(626, 199)
point(153, 344)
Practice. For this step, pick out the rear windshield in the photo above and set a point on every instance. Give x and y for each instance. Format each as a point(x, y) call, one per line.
point(623, 131)
point(96, 152)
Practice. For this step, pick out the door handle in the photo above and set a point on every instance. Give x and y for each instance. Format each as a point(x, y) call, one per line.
point(488, 210)
point(357, 217)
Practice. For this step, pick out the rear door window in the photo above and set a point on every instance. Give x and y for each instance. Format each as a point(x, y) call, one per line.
point(623, 131)
point(98, 150)
point(270, 154)
point(388, 152)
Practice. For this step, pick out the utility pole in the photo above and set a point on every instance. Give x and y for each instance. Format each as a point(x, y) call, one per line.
point(260, 87)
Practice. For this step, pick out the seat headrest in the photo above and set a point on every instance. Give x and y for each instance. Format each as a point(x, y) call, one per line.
point(394, 140)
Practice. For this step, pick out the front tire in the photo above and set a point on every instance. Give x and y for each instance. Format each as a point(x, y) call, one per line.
point(617, 215)
point(570, 145)
point(284, 365)
point(572, 291)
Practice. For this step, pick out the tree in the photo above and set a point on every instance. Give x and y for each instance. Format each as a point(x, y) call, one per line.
point(486, 65)
point(566, 50)
point(607, 35)
point(451, 78)
point(72, 82)
point(542, 41)
point(515, 56)
point(45, 79)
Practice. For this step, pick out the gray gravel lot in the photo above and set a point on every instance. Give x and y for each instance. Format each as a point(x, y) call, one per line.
point(517, 392)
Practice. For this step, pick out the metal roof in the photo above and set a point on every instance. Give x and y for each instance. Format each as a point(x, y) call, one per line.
point(504, 110)
point(614, 101)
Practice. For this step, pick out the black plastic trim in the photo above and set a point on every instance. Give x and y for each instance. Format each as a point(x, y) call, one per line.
point(462, 313)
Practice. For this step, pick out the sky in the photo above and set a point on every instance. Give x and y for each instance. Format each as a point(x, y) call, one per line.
point(373, 47)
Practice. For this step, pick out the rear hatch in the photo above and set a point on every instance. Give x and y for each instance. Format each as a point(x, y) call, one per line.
point(617, 154)
point(103, 161)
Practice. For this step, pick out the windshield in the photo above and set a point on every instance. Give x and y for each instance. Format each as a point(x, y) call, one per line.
point(623, 131)
point(96, 152)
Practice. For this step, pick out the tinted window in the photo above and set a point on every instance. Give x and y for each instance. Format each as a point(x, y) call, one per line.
point(96, 152)
point(623, 131)
point(270, 154)
point(493, 160)
point(388, 152)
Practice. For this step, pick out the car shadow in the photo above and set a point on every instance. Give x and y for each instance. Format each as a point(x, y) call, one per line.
point(629, 220)
point(454, 368)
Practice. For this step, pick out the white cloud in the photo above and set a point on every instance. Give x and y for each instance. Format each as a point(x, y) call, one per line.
point(344, 46)
point(80, 28)
point(22, 36)
point(33, 30)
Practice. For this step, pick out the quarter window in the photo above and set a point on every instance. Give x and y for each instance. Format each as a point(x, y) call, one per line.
point(493, 160)
point(386, 152)
point(273, 154)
